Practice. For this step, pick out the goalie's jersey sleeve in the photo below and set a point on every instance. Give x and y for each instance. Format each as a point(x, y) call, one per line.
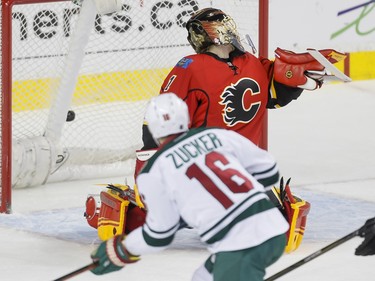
point(232, 94)
point(211, 179)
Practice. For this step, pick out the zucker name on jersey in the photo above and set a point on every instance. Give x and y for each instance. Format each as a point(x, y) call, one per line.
point(213, 179)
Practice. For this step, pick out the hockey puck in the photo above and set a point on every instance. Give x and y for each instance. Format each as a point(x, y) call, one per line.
point(71, 115)
point(141, 27)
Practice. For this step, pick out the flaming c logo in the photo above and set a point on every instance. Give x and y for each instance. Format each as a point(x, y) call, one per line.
point(233, 98)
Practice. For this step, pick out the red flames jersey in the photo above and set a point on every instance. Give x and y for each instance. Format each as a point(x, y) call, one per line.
point(231, 94)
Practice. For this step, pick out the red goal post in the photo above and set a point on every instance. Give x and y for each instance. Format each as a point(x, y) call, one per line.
point(59, 58)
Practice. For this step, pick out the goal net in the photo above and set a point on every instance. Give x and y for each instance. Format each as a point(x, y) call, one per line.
point(74, 84)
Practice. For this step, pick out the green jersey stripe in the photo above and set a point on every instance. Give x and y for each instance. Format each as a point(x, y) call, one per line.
point(258, 207)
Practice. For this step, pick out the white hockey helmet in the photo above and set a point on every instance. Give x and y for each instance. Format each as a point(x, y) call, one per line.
point(167, 114)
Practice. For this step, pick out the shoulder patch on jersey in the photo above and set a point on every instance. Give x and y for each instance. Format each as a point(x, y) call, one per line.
point(184, 62)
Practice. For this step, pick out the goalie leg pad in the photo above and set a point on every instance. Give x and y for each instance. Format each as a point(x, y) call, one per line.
point(295, 211)
point(297, 217)
point(112, 216)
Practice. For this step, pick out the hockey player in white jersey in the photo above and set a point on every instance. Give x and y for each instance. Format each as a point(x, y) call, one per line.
point(214, 180)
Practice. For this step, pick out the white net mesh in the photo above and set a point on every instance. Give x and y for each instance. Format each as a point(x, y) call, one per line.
point(127, 56)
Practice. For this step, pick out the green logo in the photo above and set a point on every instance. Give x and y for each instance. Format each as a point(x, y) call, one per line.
point(356, 24)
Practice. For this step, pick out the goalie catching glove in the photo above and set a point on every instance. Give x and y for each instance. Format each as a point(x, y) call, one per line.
point(111, 255)
point(295, 211)
point(302, 70)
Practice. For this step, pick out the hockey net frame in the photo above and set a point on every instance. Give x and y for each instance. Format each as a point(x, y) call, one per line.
point(7, 140)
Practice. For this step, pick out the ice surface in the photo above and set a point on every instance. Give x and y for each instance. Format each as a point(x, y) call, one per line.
point(325, 142)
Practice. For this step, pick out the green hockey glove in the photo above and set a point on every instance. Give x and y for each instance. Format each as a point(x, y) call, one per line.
point(111, 255)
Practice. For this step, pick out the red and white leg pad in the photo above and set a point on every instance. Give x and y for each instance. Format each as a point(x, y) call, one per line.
point(112, 213)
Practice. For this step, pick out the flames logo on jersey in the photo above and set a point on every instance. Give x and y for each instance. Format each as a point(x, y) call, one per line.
point(233, 98)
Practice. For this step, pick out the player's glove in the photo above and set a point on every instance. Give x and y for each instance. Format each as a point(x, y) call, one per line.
point(302, 70)
point(367, 247)
point(111, 255)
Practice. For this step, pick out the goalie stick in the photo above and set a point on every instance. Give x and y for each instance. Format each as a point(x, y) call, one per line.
point(367, 230)
point(332, 72)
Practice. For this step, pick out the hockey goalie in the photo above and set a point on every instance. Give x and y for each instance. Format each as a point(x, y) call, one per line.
point(119, 209)
point(225, 86)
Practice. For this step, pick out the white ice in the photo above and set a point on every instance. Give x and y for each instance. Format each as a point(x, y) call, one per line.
point(325, 142)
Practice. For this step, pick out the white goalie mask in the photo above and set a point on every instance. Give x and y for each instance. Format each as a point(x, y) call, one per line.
point(166, 115)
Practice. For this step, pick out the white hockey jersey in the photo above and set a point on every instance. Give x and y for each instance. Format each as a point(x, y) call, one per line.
point(214, 180)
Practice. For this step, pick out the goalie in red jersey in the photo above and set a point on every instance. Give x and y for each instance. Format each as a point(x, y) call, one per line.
point(225, 86)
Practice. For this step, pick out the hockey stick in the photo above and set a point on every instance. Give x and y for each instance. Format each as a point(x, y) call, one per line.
point(367, 229)
point(336, 74)
point(76, 272)
point(355, 7)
